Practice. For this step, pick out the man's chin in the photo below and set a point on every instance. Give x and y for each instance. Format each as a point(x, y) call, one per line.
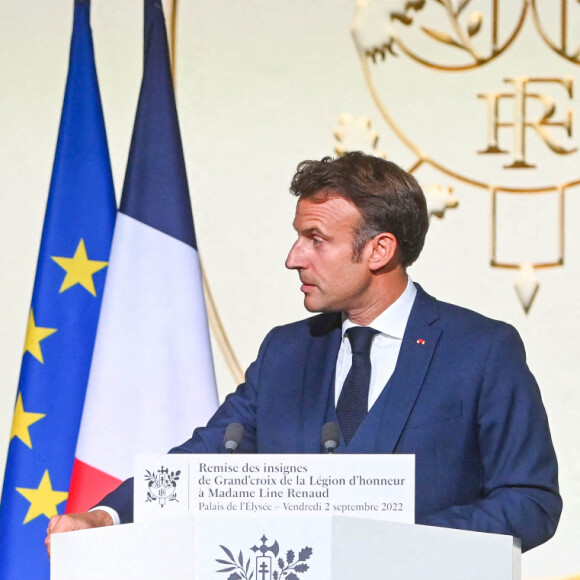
point(312, 305)
point(317, 306)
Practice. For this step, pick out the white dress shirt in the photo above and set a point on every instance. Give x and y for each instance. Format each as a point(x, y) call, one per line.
point(385, 348)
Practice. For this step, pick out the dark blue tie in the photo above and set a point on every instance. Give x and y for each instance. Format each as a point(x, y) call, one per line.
point(353, 402)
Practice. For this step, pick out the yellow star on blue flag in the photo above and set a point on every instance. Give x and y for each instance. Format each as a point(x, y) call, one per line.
point(79, 269)
point(22, 421)
point(34, 335)
point(43, 499)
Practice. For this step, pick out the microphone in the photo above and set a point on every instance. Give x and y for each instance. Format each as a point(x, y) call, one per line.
point(233, 437)
point(330, 437)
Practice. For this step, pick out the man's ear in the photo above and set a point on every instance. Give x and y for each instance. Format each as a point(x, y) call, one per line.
point(383, 251)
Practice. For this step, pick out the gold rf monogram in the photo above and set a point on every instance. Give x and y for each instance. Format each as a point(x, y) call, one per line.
point(521, 96)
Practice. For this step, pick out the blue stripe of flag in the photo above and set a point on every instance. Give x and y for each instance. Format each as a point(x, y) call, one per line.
point(155, 191)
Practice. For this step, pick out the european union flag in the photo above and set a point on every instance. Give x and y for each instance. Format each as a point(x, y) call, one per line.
point(62, 321)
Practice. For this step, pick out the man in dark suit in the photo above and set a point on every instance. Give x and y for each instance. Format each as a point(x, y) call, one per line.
point(398, 370)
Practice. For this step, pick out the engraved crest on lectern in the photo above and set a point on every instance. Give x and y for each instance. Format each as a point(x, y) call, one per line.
point(267, 563)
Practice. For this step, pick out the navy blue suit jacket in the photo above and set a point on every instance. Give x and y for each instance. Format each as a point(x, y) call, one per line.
point(461, 398)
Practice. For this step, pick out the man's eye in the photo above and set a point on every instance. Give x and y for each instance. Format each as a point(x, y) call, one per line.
point(317, 241)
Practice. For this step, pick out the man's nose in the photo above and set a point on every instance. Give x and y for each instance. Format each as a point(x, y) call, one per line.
point(295, 259)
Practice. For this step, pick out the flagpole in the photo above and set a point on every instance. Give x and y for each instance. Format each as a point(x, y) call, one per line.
point(172, 37)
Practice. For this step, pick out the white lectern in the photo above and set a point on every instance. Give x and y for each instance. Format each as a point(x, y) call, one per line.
point(282, 547)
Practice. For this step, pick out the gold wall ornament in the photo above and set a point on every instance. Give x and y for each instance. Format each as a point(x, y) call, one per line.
point(356, 134)
point(561, 38)
point(520, 122)
point(548, 203)
point(462, 37)
point(526, 285)
point(439, 199)
point(502, 74)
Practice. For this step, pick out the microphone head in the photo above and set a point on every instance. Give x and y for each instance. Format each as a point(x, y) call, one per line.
point(330, 436)
point(233, 437)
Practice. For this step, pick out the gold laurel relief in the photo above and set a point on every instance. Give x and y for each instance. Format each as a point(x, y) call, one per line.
point(460, 35)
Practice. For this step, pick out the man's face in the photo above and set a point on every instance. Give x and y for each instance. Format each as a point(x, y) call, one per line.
point(332, 281)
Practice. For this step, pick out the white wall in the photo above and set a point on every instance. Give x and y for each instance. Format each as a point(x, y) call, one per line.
point(260, 86)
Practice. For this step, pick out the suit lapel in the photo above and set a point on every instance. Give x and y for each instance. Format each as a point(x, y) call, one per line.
point(325, 336)
point(419, 343)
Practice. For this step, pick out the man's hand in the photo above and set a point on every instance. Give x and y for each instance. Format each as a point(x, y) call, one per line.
point(73, 522)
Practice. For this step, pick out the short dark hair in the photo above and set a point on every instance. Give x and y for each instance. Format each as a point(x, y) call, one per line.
point(388, 198)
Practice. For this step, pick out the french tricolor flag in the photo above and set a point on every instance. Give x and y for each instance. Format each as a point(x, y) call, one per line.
point(152, 379)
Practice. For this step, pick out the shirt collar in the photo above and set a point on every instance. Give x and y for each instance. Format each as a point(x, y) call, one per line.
point(393, 320)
